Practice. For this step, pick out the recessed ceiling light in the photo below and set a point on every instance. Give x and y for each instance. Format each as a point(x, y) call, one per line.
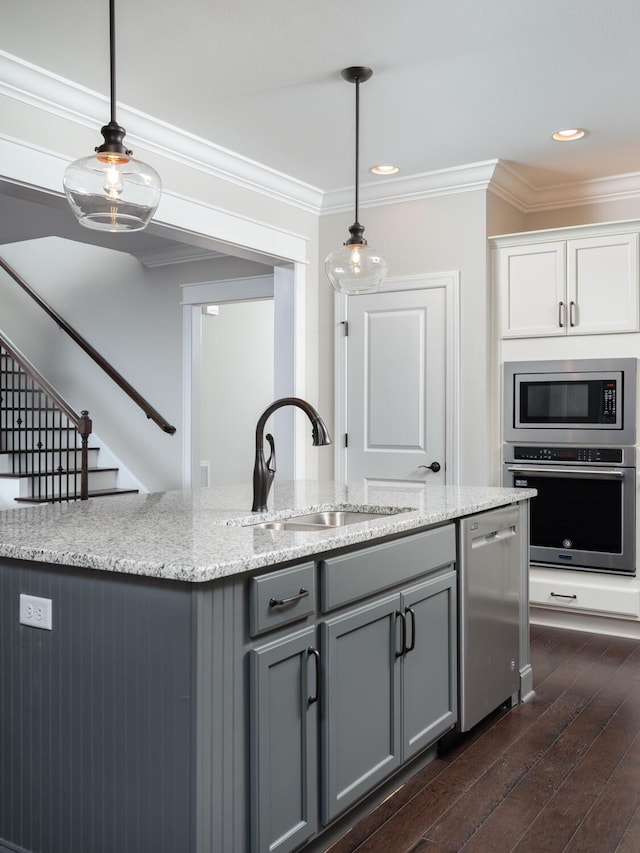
point(384, 170)
point(569, 135)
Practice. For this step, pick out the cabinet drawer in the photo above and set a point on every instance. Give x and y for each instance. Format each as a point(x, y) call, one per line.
point(595, 597)
point(353, 576)
point(281, 597)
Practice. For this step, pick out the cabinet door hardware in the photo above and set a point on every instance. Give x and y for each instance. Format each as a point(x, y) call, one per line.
point(409, 612)
point(315, 654)
point(282, 602)
point(561, 314)
point(572, 313)
point(560, 595)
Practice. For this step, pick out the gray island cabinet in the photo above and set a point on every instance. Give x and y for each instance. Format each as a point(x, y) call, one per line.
point(374, 674)
point(187, 704)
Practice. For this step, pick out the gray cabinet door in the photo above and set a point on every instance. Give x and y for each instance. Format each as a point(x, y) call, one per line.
point(429, 668)
point(284, 681)
point(360, 731)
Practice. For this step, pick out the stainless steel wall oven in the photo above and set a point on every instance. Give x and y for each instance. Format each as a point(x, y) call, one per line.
point(570, 430)
point(584, 514)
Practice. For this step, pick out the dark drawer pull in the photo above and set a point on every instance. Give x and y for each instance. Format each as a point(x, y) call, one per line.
point(560, 595)
point(409, 612)
point(311, 652)
point(282, 602)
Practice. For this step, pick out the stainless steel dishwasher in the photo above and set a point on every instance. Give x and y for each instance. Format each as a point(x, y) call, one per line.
point(489, 581)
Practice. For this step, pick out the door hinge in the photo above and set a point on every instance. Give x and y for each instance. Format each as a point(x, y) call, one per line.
point(345, 323)
point(346, 439)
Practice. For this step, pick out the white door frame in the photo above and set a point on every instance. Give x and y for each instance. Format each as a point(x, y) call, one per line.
point(450, 282)
point(287, 290)
point(288, 359)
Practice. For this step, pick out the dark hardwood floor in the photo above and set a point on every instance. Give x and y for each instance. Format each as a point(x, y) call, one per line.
point(559, 773)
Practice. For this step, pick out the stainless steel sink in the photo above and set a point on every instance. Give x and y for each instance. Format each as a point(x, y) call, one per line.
point(321, 520)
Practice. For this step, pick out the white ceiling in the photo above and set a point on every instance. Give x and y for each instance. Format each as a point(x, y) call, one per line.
point(455, 81)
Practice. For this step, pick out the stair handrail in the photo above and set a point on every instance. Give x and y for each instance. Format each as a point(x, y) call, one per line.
point(122, 383)
point(82, 421)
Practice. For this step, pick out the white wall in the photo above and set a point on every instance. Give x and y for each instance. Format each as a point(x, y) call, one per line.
point(237, 385)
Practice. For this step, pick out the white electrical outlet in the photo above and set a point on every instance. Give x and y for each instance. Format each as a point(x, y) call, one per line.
point(36, 612)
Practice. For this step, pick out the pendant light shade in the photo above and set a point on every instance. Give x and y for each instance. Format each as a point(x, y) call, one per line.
point(356, 267)
point(110, 190)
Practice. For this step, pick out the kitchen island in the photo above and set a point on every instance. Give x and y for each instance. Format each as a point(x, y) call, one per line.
point(189, 691)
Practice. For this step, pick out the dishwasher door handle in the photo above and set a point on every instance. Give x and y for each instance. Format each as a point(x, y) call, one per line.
point(494, 536)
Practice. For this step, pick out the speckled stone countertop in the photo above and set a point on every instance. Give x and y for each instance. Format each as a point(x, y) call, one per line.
point(206, 534)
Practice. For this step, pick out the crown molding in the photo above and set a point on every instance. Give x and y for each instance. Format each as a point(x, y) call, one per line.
point(30, 84)
point(468, 178)
point(65, 99)
point(495, 176)
point(513, 188)
point(175, 255)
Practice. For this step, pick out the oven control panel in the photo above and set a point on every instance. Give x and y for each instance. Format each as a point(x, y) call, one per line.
point(611, 455)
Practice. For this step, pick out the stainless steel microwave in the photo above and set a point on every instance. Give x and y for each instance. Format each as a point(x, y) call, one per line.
point(583, 401)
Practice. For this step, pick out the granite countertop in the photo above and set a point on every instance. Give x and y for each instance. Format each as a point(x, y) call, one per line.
point(205, 534)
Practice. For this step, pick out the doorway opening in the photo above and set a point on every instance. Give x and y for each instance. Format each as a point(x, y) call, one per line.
point(242, 356)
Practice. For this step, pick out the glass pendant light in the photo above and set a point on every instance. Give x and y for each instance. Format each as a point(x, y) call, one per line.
point(109, 190)
point(356, 267)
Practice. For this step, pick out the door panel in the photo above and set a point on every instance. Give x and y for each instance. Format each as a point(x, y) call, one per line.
point(429, 676)
point(396, 386)
point(283, 744)
point(361, 703)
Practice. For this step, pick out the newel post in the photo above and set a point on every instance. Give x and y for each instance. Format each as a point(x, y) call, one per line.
point(84, 428)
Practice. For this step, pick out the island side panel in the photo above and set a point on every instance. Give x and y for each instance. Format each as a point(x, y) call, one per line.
point(95, 714)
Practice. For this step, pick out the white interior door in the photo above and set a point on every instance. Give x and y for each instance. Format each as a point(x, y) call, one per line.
point(396, 386)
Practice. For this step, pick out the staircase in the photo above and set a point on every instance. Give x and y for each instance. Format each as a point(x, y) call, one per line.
point(45, 455)
point(42, 440)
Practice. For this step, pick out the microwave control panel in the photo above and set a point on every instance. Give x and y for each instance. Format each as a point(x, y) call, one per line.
point(611, 455)
point(609, 402)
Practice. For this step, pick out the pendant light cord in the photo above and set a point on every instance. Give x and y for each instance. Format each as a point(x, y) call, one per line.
point(357, 81)
point(112, 57)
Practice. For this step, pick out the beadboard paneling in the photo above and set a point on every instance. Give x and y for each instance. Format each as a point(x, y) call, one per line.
point(95, 715)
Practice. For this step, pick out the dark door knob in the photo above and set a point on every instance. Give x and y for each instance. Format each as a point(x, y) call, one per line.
point(435, 467)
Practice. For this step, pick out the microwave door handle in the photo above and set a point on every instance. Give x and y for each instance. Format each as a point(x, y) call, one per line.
point(543, 471)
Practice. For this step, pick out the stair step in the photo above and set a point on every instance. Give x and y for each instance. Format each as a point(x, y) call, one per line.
point(64, 473)
point(69, 450)
point(98, 493)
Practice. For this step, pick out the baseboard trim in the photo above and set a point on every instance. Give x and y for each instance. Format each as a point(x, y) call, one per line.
point(588, 622)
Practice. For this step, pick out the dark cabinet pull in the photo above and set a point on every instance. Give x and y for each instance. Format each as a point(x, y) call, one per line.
point(412, 646)
point(315, 654)
point(282, 602)
point(572, 313)
point(561, 314)
point(403, 639)
point(560, 595)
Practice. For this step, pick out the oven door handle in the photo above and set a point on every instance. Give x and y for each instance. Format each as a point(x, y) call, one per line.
point(602, 473)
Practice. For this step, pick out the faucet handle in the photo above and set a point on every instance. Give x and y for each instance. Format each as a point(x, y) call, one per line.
point(271, 461)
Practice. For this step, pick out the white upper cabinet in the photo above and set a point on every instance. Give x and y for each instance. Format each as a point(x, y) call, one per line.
point(582, 285)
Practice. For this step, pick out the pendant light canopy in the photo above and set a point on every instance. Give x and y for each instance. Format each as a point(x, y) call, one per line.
point(356, 268)
point(109, 190)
